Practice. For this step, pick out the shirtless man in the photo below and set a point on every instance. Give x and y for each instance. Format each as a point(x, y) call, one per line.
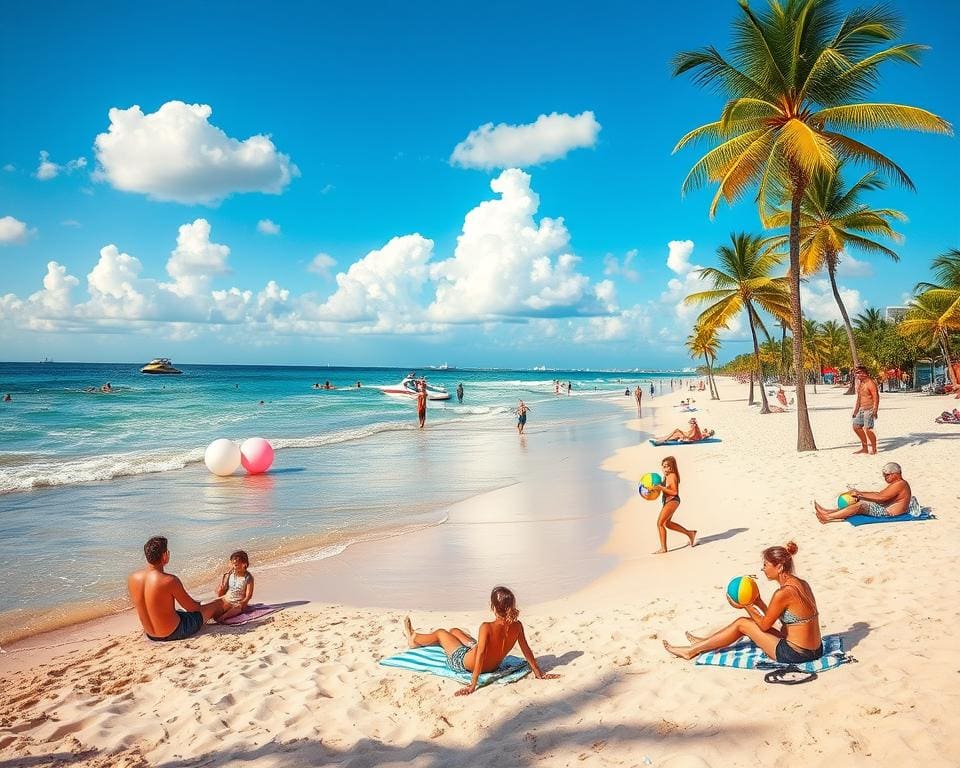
point(422, 402)
point(893, 500)
point(153, 593)
point(638, 393)
point(865, 410)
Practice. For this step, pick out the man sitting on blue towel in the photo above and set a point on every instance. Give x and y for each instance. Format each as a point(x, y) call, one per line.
point(894, 500)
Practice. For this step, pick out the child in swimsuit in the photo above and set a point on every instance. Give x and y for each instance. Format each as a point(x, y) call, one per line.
point(496, 638)
point(236, 586)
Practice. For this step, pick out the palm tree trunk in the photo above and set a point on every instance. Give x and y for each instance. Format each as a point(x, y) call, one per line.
point(945, 343)
point(714, 394)
point(751, 400)
point(783, 352)
point(765, 406)
point(805, 441)
point(832, 271)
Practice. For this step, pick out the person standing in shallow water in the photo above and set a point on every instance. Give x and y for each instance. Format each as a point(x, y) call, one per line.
point(460, 393)
point(521, 409)
point(422, 402)
point(638, 393)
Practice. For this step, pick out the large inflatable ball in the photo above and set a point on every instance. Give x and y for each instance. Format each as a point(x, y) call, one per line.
point(222, 457)
point(256, 455)
point(845, 500)
point(742, 590)
point(647, 482)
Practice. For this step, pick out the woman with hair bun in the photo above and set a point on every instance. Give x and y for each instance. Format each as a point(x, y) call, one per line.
point(495, 640)
point(793, 605)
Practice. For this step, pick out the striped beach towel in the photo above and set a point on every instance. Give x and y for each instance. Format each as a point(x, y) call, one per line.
point(745, 655)
point(432, 660)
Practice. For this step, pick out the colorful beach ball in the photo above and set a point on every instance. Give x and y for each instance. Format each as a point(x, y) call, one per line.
point(742, 590)
point(256, 455)
point(646, 485)
point(222, 457)
point(845, 500)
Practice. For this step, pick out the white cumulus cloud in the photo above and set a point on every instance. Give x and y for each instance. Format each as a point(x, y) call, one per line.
point(851, 267)
point(47, 169)
point(547, 138)
point(13, 231)
point(612, 266)
point(678, 256)
point(195, 261)
point(818, 302)
point(267, 227)
point(321, 264)
point(176, 154)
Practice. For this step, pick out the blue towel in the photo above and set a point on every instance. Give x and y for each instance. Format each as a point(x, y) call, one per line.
point(432, 660)
point(906, 517)
point(686, 442)
point(745, 655)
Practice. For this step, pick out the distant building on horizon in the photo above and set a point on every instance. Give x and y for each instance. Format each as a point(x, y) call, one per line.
point(895, 314)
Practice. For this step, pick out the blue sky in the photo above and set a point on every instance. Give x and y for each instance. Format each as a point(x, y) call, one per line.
point(359, 107)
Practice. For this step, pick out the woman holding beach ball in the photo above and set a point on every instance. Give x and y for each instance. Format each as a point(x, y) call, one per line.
point(797, 640)
point(670, 488)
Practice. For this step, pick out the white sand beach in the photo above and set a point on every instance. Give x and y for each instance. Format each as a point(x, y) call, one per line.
point(304, 686)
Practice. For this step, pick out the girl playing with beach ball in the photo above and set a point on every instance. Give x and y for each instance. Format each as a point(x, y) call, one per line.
point(670, 488)
point(796, 641)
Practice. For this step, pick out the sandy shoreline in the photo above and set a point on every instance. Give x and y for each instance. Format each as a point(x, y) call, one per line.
point(304, 688)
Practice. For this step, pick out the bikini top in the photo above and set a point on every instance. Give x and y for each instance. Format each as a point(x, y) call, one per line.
point(788, 617)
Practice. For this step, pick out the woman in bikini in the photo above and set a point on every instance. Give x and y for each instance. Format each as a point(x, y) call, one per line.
point(495, 640)
point(670, 488)
point(690, 436)
point(793, 605)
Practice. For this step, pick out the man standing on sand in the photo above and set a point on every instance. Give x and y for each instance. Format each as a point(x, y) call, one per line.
point(153, 593)
point(637, 393)
point(422, 402)
point(865, 410)
point(895, 499)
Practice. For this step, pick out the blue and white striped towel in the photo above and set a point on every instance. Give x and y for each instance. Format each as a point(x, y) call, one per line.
point(432, 660)
point(748, 656)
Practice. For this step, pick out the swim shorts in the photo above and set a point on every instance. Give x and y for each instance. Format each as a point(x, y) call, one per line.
point(522, 419)
point(875, 510)
point(455, 660)
point(190, 624)
point(864, 418)
point(787, 654)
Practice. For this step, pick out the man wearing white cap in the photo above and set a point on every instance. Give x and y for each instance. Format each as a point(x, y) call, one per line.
point(895, 499)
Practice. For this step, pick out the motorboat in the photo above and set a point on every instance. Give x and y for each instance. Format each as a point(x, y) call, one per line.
point(160, 365)
point(410, 386)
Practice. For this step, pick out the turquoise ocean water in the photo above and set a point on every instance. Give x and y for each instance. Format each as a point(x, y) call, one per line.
point(86, 477)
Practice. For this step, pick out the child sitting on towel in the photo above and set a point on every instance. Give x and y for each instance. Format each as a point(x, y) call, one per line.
point(496, 638)
point(236, 586)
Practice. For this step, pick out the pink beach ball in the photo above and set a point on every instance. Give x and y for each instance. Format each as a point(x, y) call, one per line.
point(256, 455)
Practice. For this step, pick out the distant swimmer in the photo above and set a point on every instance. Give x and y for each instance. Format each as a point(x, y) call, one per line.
point(327, 385)
point(521, 411)
point(317, 385)
point(106, 388)
point(358, 385)
point(422, 402)
point(260, 403)
point(7, 398)
point(154, 593)
point(460, 393)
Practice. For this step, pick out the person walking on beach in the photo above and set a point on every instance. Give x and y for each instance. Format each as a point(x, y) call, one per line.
point(670, 488)
point(460, 393)
point(651, 389)
point(896, 499)
point(865, 410)
point(798, 640)
point(422, 402)
point(153, 592)
point(521, 411)
point(495, 640)
point(638, 393)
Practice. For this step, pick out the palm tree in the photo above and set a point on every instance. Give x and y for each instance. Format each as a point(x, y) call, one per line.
point(870, 326)
point(703, 342)
point(946, 268)
point(833, 219)
point(926, 322)
point(742, 282)
point(835, 343)
point(794, 86)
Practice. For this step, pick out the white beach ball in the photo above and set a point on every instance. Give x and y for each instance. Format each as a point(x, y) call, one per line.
point(222, 457)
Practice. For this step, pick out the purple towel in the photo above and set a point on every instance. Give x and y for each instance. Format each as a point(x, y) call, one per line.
point(252, 613)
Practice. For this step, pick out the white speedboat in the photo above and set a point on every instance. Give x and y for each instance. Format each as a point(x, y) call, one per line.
point(160, 365)
point(409, 387)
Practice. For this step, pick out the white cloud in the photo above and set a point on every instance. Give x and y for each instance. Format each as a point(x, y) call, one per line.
point(9, 167)
point(851, 267)
point(195, 261)
point(176, 154)
point(321, 264)
point(72, 223)
point(115, 287)
point(327, 189)
point(506, 264)
point(47, 169)
point(818, 302)
point(612, 266)
point(678, 256)
point(548, 138)
point(267, 227)
point(13, 231)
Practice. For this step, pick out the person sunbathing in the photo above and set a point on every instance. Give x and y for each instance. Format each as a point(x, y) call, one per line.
point(691, 435)
point(495, 640)
point(893, 500)
point(793, 605)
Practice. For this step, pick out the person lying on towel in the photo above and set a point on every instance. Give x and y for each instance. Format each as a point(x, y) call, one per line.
point(692, 435)
point(895, 499)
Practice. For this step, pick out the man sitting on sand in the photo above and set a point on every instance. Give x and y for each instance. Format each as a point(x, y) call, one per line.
point(893, 500)
point(153, 593)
